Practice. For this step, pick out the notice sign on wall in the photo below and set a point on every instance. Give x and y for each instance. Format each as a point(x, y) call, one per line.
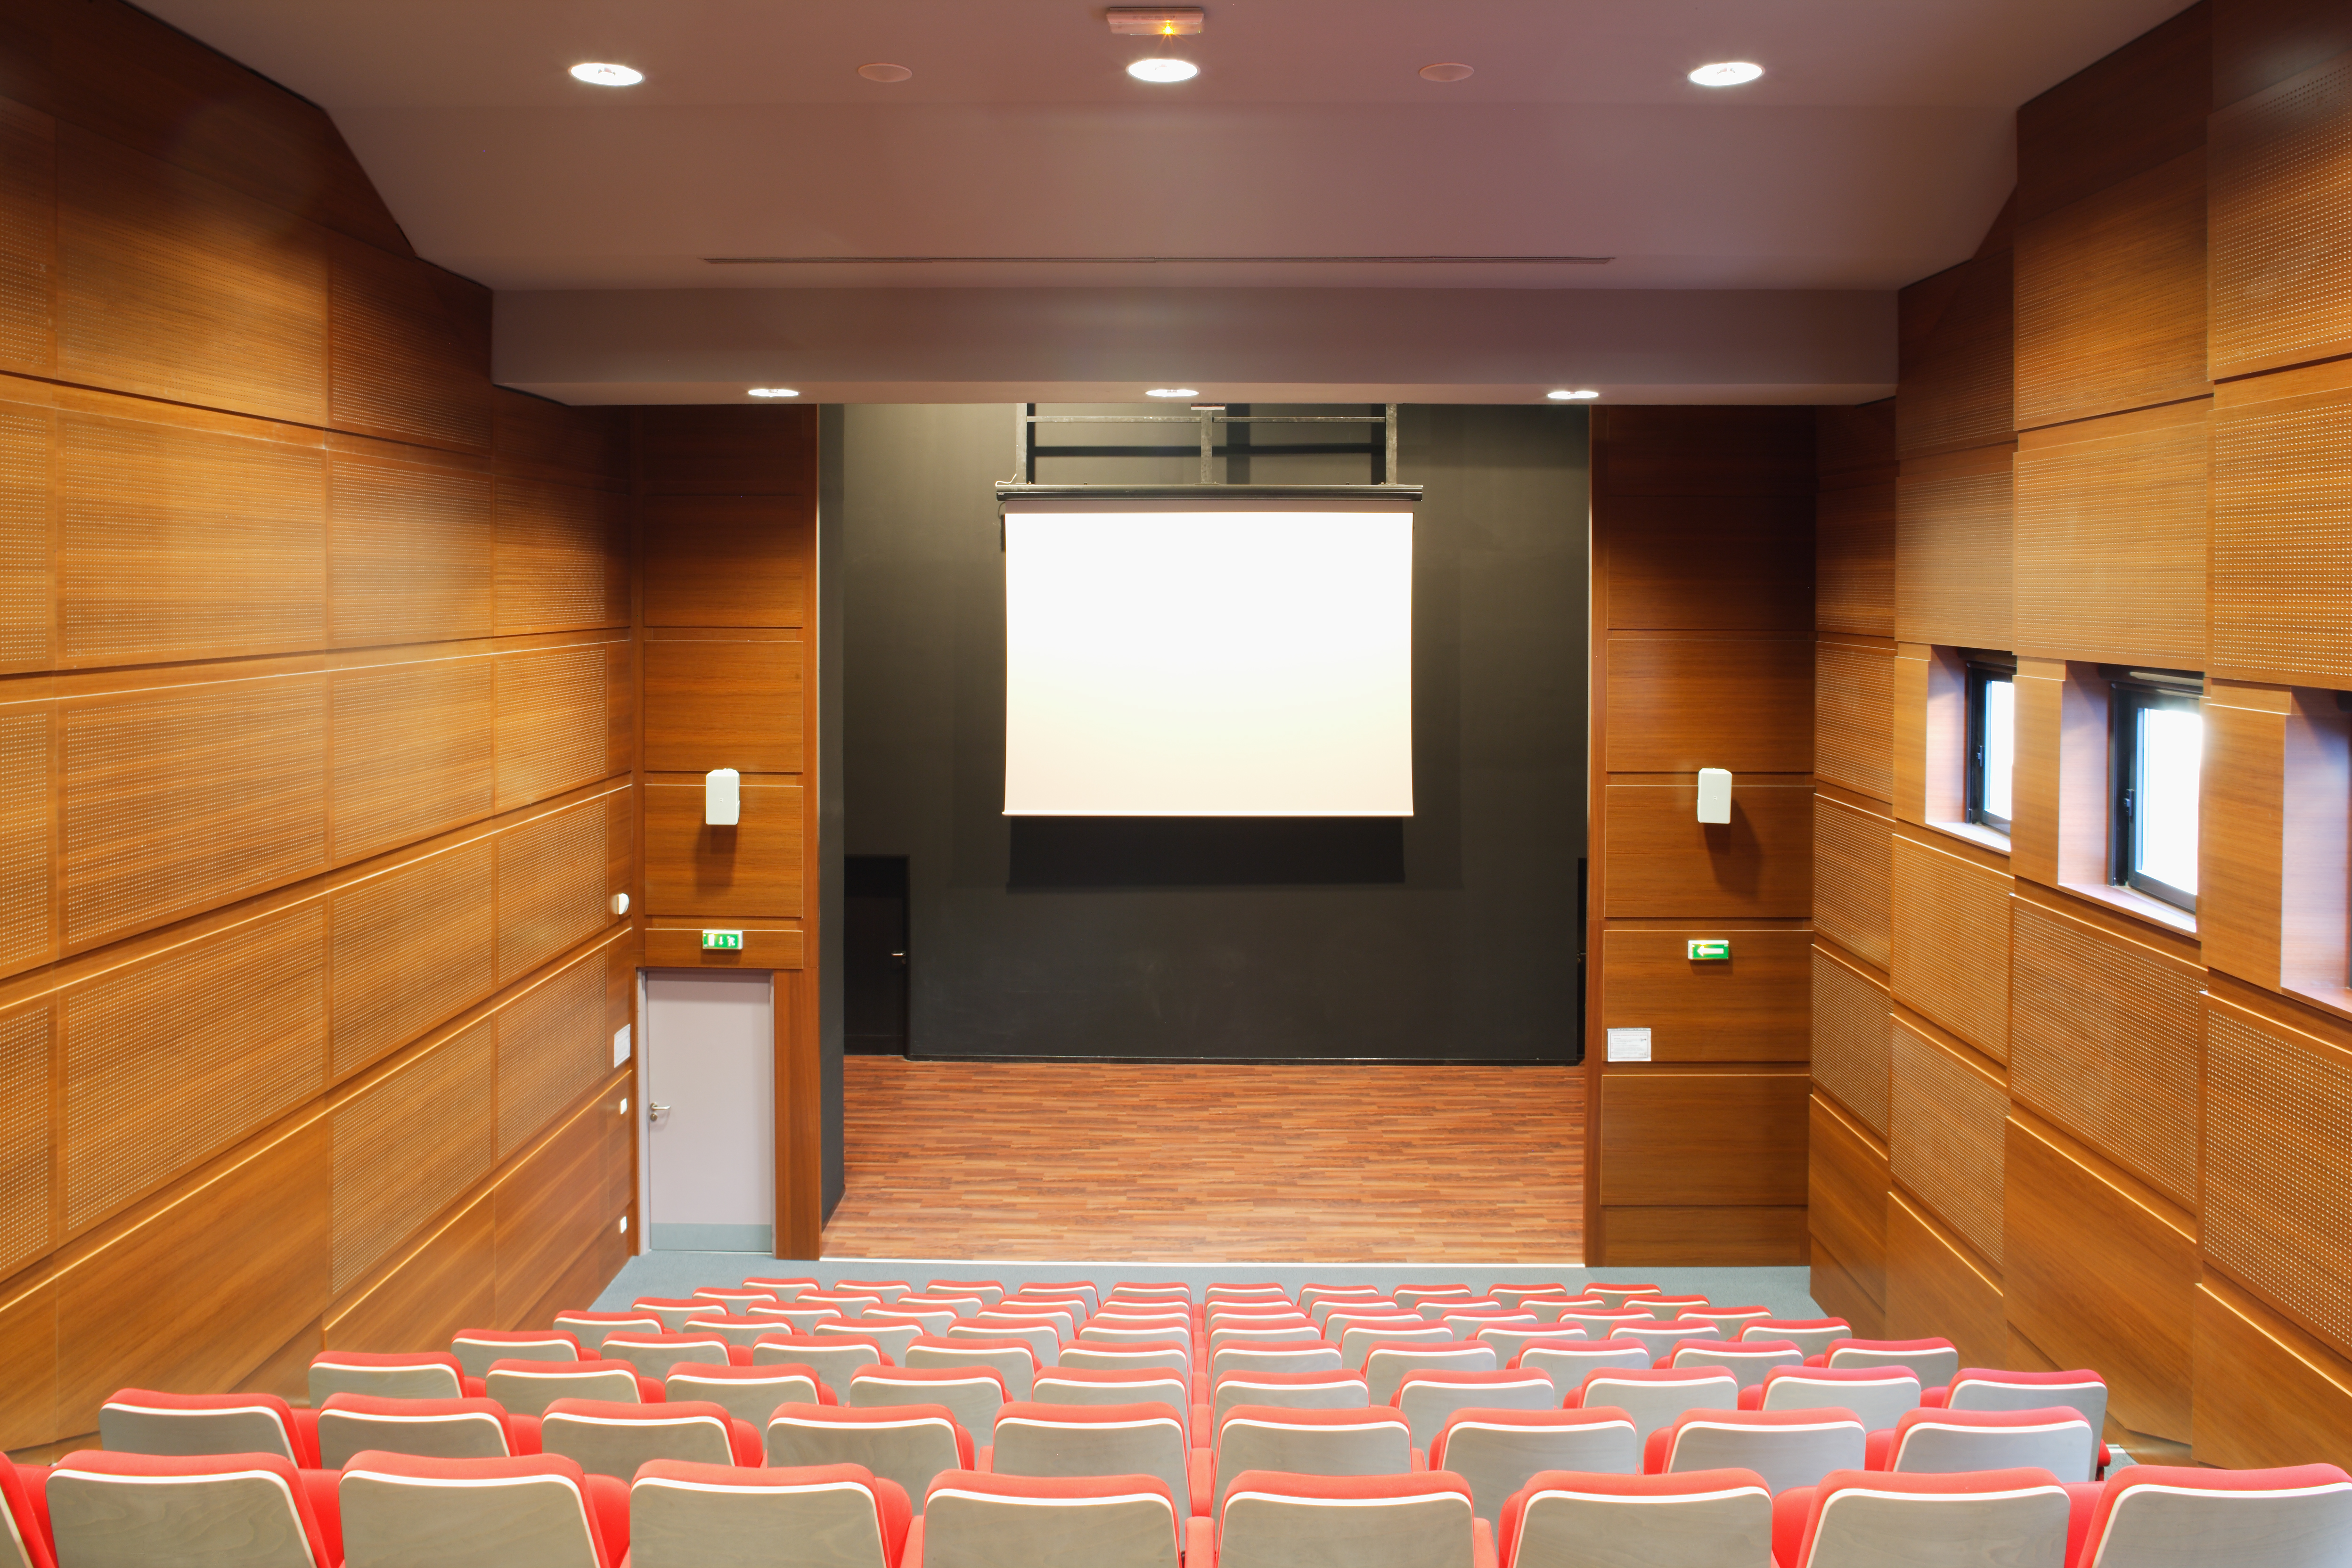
point(1629, 1044)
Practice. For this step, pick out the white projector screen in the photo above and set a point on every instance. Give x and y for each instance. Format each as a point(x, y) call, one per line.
point(1164, 662)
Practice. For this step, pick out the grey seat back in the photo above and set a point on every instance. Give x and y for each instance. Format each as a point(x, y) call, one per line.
point(798, 1319)
point(2089, 1397)
point(609, 1446)
point(835, 1365)
point(1863, 1528)
point(912, 1452)
point(1569, 1367)
point(973, 1401)
point(1320, 1355)
point(530, 1393)
point(1040, 1337)
point(1347, 1393)
point(1509, 1341)
point(1151, 1446)
point(1662, 1338)
point(244, 1520)
point(1016, 1366)
point(743, 1331)
point(1427, 1403)
point(1796, 1456)
point(1936, 1366)
point(1245, 1333)
point(128, 1427)
point(926, 1320)
point(1656, 1405)
point(1381, 1444)
point(1266, 1529)
point(522, 1522)
point(1385, 1368)
point(1812, 1340)
point(1357, 1344)
point(2167, 1527)
point(679, 1524)
point(1880, 1403)
point(973, 1530)
point(1174, 1390)
point(892, 1337)
point(475, 1356)
point(426, 1382)
point(749, 1400)
point(654, 1361)
point(591, 1335)
point(469, 1435)
point(2066, 1447)
point(1751, 1363)
point(1499, 1458)
point(1116, 1358)
point(1731, 1528)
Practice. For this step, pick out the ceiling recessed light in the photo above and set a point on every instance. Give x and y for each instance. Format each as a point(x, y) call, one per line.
point(599, 73)
point(1159, 68)
point(1726, 73)
point(1173, 392)
point(882, 71)
point(1446, 70)
point(775, 392)
point(1579, 396)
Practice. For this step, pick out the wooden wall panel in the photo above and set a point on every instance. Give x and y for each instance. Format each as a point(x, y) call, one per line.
point(722, 451)
point(2112, 539)
point(444, 1286)
point(2265, 1394)
point(725, 873)
point(728, 560)
point(698, 693)
point(411, 752)
point(1853, 868)
point(1833, 1289)
point(1680, 704)
point(549, 1210)
point(1711, 1139)
point(1846, 1198)
point(2111, 297)
point(2257, 43)
point(28, 251)
point(1708, 562)
point(1956, 359)
point(1951, 941)
point(409, 1143)
point(2241, 843)
point(553, 728)
point(1712, 1238)
point(1853, 718)
point(28, 580)
point(2281, 223)
point(2141, 107)
point(551, 887)
point(2103, 1040)
point(412, 350)
point(1752, 1007)
point(551, 1048)
point(1953, 561)
point(2281, 544)
point(1853, 560)
point(533, 434)
point(29, 827)
point(1946, 1119)
point(2095, 1275)
point(1853, 1040)
point(412, 549)
point(27, 1137)
point(558, 552)
point(1934, 1289)
point(412, 947)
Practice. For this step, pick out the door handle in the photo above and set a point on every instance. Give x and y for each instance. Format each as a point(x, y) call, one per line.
point(655, 1111)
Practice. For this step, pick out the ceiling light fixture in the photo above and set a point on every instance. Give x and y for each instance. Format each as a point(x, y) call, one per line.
point(775, 391)
point(1447, 70)
point(1162, 68)
point(1563, 395)
point(1726, 73)
point(883, 71)
point(600, 73)
point(1173, 392)
point(1155, 21)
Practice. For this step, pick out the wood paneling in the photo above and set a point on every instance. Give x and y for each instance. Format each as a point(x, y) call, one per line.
point(412, 946)
point(28, 578)
point(412, 350)
point(28, 1225)
point(411, 547)
point(2241, 843)
point(2281, 223)
point(1853, 867)
point(1945, 1138)
point(1706, 563)
point(699, 694)
point(1950, 945)
point(1853, 1040)
point(728, 560)
point(1846, 1198)
point(28, 1346)
point(409, 1143)
point(1680, 704)
point(2282, 529)
point(1703, 1139)
point(2096, 1274)
point(552, 1046)
point(442, 1287)
point(2112, 539)
point(1753, 1007)
point(411, 752)
point(672, 946)
point(1853, 560)
point(28, 205)
point(559, 554)
point(29, 827)
point(1851, 442)
point(551, 887)
point(549, 1210)
point(752, 869)
point(1935, 1290)
point(1957, 360)
point(2259, 42)
point(1954, 522)
point(2265, 1393)
point(1832, 1287)
point(722, 451)
point(1705, 1237)
point(553, 732)
point(532, 433)
point(1853, 717)
point(1641, 450)
point(2140, 106)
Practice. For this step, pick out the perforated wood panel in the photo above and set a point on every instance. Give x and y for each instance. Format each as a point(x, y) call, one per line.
point(411, 360)
point(552, 1046)
point(2282, 217)
point(412, 548)
point(552, 891)
point(173, 286)
point(1957, 357)
point(527, 429)
point(29, 196)
point(2282, 539)
point(24, 1150)
point(2111, 541)
point(556, 543)
point(1951, 943)
point(1853, 718)
point(183, 801)
point(2104, 1042)
point(1952, 560)
point(151, 1084)
point(2278, 1213)
point(552, 728)
point(1853, 1031)
point(1853, 560)
point(28, 934)
point(1852, 861)
point(726, 560)
point(27, 586)
point(412, 947)
point(408, 1145)
point(2111, 298)
point(176, 543)
point(1945, 1142)
point(413, 752)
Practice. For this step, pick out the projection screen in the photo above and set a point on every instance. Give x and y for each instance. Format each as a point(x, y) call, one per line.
point(1165, 660)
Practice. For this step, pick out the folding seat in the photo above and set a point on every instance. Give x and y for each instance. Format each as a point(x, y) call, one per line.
point(1429, 1397)
point(734, 1298)
point(1499, 1451)
point(1368, 1441)
point(1270, 1520)
point(1656, 1398)
point(973, 1394)
point(1309, 1294)
point(892, 1337)
point(1936, 1361)
point(654, 1354)
point(1666, 1308)
point(740, 1332)
point(1216, 1293)
point(2164, 1515)
point(908, 1443)
point(782, 1289)
point(423, 1377)
point(1015, 1361)
point(1980, 1388)
point(1414, 1295)
point(529, 1387)
point(1509, 1340)
point(1663, 1337)
point(1174, 1322)
point(748, 1394)
point(1568, 1365)
point(1318, 1355)
point(400, 1511)
point(1815, 1335)
point(849, 1303)
point(1940, 1442)
point(2019, 1517)
point(1081, 1288)
point(1600, 1323)
point(1467, 1323)
point(974, 1520)
point(1730, 1319)
point(1787, 1448)
point(989, 1290)
point(476, 1349)
point(1564, 1519)
point(1389, 1365)
point(1062, 1385)
point(719, 1516)
point(1513, 1295)
point(1750, 1361)
point(797, 1317)
point(1320, 1310)
point(1333, 1390)
point(225, 1511)
point(1618, 1295)
point(1011, 1310)
point(1262, 1323)
point(890, 1291)
point(1095, 1332)
point(963, 1304)
point(1043, 1341)
point(1340, 1319)
point(1150, 1290)
point(833, 1359)
point(1879, 1394)
point(673, 1311)
point(1227, 1332)
point(1068, 1440)
point(590, 1327)
point(1271, 1310)
point(925, 1320)
point(1114, 1358)
point(1436, 1309)
point(614, 1439)
point(146, 1421)
point(1359, 1340)
point(441, 1428)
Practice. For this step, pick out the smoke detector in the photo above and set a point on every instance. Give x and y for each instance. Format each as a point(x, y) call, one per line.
point(1155, 21)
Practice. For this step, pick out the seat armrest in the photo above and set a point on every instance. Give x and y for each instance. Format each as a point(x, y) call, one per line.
point(1203, 1470)
point(1790, 1510)
point(1482, 1544)
point(914, 1554)
point(1933, 1398)
point(1879, 1452)
point(306, 1438)
point(319, 1486)
point(1420, 1459)
point(608, 1501)
point(1200, 1544)
point(473, 1387)
point(983, 1459)
point(522, 1431)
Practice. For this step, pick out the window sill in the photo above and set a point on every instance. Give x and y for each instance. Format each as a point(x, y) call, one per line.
point(2131, 901)
point(1975, 833)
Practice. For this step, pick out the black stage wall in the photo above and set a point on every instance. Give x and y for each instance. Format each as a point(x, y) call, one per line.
point(1453, 934)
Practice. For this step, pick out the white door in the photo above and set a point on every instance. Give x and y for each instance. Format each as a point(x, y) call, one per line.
point(711, 1111)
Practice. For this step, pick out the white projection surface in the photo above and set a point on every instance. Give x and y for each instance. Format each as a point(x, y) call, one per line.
point(1225, 663)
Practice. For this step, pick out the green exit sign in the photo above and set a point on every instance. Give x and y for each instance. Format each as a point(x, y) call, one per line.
point(1698, 949)
point(732, 941)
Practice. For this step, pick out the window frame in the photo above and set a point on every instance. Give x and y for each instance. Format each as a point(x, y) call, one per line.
point(1982, 668)
point(2132, 694)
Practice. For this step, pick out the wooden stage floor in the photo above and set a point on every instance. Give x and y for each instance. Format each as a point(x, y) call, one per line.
point(1300, 1161)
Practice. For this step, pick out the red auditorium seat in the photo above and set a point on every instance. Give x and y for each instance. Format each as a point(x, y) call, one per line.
point(926, 1320)
point(833, 1359)
point(1072, 1440)
point(673, 1311)
point(1429, 1398)
point(610, 1440)
point(1246, 1292)
point(1666, 1308)
point(1941, 1442)
point(961, 1303)
point(740, 1332)
point(797, 1317)
point(476, 1349)
point(782, 1289)
point(2162, 1516)
point(1602, 1323)
point(1150, 1290)
point(436, 1428)
point(1077, 1385)
point(1656, 1398)
point(2020, 1517)
point(1320, 1310)
point(1366, 1441)
point(1309, 1295)
point(537, 1512)
point(1082, 1289)
point(1014, 1360)
point(892, 1337)
point(654, 1354)
point(1566, 1520)
point(1499, 1451)
point(1013, 1312)
point(1730, 1319)
point(1414, 1295)
point(1982, 1388)
point(1936, 1361)
point(888, 1290)
point(25, 1504)
point(1272, 1519)
point(1319, 1390)
point(1044, 1340)
point(1618, 1295)
point(590, 1327)
point(973, 1520)
point(1287, 1355)
point(1879, 1394)
point(720, 1516)
point(973, 1395)
point(1815, 1335)
point(146, 1421)
point(1113, 1357)
point(750, 1394)
point(1389, 1364)
point(1359, 1340)
point(989, 1290)
point(1662, 1337)
point(734, 1298)
point(222, 1511)
point(529, 1387)
point(418, 1376)
point(1568, 1364)
point(1513, 1295)
point(1750, 1361)
point(909, 1444)
point(1787, 1448)
point(1509, 1340)
point(1229, 1332)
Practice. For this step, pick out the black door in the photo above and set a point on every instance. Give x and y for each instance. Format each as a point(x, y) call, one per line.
point(874, 943)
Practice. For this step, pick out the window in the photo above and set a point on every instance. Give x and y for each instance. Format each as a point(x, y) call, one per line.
point(2159, 739)
point(1993, 737)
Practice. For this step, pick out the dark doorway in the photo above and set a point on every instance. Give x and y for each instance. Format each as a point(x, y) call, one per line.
point(874, 956)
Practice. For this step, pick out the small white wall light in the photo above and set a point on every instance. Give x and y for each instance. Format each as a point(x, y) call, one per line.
point(620, 903)
point(722, 798)
point(1714, 794)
